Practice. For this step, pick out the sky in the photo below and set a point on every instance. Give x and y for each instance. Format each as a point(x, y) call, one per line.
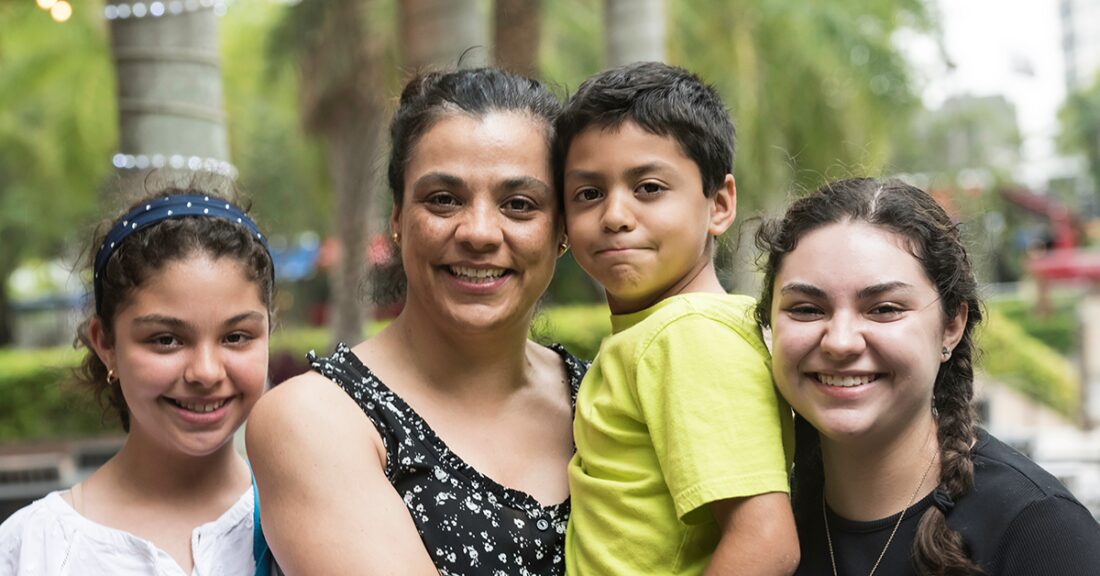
point(1009, 47)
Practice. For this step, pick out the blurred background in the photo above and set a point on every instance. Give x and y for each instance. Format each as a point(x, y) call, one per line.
point(992, 105)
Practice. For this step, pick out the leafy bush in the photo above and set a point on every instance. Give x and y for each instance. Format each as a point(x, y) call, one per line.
point(1027, 364)
point(1057, 328)
point(40, 400)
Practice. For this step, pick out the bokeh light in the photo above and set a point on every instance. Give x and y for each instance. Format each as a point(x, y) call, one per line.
point(61, 11)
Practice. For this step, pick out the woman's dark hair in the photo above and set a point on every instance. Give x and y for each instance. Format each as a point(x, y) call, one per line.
point(144, 253)
point(476, 92)
point(934, 240)
point(432, 96)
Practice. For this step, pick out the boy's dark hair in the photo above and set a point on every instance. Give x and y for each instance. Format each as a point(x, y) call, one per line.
point(145, 253)
point(935, 242)
point(663, 100)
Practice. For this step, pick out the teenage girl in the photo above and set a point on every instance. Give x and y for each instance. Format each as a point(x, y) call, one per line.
point(872, 303)
point(177, 345)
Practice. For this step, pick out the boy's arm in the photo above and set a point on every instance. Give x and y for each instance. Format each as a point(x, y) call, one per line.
point(758, 536)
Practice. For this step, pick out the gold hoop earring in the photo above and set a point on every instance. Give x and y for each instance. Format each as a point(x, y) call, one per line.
point(396, 238)
point(563, 247)
point(945, 353)
point(111, 377)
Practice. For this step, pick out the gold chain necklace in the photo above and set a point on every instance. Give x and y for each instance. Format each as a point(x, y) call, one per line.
point(913, 498)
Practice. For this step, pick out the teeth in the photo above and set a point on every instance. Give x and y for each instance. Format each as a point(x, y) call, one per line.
point(845, 381)
point(477, 273)
point(202, 408)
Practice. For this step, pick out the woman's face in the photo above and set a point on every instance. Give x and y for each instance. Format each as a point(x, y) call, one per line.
point(479, 225)
point(190, 353)
point(857, 333)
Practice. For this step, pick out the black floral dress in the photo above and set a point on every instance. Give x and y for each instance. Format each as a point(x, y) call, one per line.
point(469, 523)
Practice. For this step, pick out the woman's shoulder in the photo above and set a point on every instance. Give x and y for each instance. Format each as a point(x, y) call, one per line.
point(1000, 467)
point(1008, 487)
point(556, 357)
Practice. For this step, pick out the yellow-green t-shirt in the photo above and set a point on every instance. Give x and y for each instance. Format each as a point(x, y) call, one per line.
point(677, 411)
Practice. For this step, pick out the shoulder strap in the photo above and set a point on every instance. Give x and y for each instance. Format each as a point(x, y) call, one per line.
point(261, 554)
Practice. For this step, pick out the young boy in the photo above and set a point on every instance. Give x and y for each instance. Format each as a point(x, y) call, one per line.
point(682, 442)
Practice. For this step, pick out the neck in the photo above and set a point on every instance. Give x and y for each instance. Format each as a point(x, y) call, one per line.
point(867, 481)
point(147, 470)
point(482, 360)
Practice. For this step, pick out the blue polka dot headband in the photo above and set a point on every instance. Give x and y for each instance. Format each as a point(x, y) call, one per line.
point(167, 208)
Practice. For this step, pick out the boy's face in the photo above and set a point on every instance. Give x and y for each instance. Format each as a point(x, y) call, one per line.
point(636, 215)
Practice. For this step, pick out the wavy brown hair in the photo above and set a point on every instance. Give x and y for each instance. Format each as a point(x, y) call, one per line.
point(147, 251)
point(935, 241)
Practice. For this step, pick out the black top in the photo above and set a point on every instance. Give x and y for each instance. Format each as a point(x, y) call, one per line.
point(469, 523)
point(1018, 520)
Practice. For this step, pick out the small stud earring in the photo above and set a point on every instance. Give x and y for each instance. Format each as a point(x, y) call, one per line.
point(563, 247)
point(396, 238)
point(945, 353)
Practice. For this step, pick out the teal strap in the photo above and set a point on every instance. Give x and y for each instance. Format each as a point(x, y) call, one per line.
point(261, 554)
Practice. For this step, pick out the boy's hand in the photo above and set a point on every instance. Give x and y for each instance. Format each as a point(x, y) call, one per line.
point(758, 536)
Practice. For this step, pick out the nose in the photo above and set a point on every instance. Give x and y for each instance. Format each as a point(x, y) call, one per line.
point(206, 368)
point(843, 336)
point(617, 215)
point(479, 228)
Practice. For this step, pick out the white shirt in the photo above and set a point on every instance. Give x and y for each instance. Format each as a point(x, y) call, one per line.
point(49, 538)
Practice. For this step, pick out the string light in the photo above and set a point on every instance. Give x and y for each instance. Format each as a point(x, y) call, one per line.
point(175, 161)
point(45, 4)
point(159, 8)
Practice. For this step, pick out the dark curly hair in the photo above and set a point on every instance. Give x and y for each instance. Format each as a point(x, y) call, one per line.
point(143, 254)
point(934, 240)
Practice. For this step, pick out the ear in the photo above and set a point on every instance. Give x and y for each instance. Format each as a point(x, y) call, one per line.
point(395, 219)
point(953, 329)
point(723, 207)
point(102, 343)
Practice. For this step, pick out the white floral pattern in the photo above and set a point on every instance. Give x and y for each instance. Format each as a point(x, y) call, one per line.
point(470, 524)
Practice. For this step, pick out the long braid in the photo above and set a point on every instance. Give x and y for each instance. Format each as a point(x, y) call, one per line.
point(938, 549)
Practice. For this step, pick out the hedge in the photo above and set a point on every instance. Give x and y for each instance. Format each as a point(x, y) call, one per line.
point(1027, 364)
point(40, 403)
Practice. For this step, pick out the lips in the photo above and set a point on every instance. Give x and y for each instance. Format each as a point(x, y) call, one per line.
point(844, 381)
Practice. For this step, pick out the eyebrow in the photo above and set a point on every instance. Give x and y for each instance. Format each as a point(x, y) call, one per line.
point(864, 293)
point(802, 288)
point(631, 173)
point(439, 178)
point(177, 323)
point(879, 289)
point(523, 183)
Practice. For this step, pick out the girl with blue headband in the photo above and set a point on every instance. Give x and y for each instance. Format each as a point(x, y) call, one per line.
point(178, 346)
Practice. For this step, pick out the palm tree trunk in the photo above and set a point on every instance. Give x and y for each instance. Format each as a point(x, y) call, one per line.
point(169, 98)
point(516, 36)
point(635, 31)
point(438, 33)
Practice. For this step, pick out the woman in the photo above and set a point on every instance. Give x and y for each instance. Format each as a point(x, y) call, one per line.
point(872, 304)
point(448, 454)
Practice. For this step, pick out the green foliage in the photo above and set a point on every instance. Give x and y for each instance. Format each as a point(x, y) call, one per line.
point(57, 129)
point(1080, 126)
point(1057, 328)
point(39, 401)
point(278, 167)
point(579, 328)
point(1028, 365)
